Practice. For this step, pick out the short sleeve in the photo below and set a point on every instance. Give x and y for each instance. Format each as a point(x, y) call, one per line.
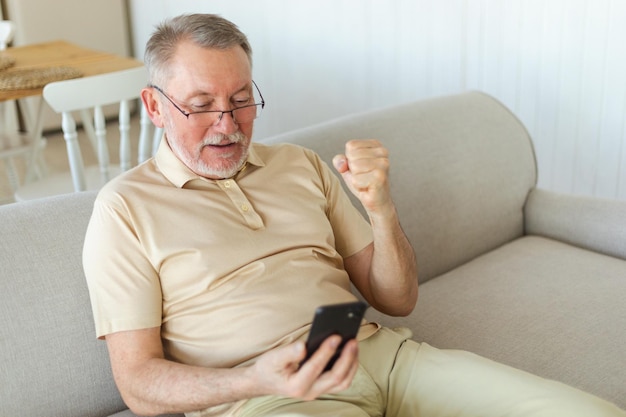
point(352, 232)
point(123, 285)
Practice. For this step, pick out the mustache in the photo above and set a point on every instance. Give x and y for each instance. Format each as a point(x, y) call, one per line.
point(220, 139)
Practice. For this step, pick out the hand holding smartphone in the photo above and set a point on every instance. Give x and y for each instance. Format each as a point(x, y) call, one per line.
point(342, 319)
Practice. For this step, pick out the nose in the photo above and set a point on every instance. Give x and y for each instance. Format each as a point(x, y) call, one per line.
point(226, 123)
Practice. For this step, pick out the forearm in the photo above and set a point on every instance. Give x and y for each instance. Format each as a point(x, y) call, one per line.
point(159, 386)
point(393, 270)
point(153, 385)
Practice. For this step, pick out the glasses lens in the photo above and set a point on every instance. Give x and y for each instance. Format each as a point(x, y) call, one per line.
point(247, 114)
point(241, 115)
point(244, 114)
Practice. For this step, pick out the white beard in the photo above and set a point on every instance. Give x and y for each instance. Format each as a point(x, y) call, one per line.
point(221, 168)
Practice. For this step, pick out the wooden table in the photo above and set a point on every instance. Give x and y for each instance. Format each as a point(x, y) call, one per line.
point(62, 53)
point(52, 54)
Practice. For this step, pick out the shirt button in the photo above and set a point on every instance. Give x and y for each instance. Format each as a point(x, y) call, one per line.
point(227, 184)
point(244, 207)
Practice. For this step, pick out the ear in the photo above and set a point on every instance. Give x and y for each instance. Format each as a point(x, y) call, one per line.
point(153, 106)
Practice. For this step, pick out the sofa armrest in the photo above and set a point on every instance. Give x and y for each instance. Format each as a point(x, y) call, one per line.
point(588, 222)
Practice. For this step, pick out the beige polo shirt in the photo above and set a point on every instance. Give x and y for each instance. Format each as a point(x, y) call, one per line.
point(228, 268)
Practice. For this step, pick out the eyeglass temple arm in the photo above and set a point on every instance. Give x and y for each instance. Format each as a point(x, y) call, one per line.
point(260, 95)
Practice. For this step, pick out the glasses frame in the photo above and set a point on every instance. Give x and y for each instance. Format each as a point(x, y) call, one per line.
point(221, 112)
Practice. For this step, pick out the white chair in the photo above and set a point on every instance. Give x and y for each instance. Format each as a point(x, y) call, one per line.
point(16, 145)
point(91, 94)
point(7, 30)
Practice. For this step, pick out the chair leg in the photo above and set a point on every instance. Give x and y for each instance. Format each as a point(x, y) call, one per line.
point(41, 167)
point(36, 167)
point(13, 177)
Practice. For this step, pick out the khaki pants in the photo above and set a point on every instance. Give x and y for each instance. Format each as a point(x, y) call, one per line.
point(421, 381)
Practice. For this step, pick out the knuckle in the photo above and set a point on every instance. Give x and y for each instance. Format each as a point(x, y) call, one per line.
point(336, 380)
point(379, 175)
point(351, 144)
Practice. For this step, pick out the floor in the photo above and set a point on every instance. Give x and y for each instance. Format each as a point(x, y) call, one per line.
point(55, 154)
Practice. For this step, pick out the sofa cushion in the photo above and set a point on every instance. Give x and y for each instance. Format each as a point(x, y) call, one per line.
point(461, 169)
point(536, 304)
point(52, 363)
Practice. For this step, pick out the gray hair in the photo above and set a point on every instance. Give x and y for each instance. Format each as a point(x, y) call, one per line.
point(205, 30)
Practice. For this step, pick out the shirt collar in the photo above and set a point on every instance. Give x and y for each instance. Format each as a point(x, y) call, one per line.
point(179, 174)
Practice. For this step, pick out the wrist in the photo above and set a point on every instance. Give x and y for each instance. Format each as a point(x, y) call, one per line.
point(251, 384)
point(383, 215)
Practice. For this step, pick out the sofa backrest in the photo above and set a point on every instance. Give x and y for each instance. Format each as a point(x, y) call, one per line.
point(461, 169)
point(50, 361)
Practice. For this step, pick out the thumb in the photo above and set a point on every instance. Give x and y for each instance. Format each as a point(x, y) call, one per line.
point(340, 163)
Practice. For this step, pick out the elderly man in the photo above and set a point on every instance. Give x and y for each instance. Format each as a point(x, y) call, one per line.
point(205, 265)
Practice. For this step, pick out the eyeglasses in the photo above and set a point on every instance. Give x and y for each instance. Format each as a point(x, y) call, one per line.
point(241, 114)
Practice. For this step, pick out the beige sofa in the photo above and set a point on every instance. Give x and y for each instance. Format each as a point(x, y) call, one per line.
point(528, 277)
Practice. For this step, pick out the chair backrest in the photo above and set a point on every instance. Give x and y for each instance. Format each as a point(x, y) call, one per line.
point(12, 144)
point(90, 94)
point(7, 30)
point(7, 115)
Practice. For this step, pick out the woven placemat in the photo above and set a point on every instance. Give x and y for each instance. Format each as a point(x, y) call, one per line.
point(35, 77)
point(6, 62)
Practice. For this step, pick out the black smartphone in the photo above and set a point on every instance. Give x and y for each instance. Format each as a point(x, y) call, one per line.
point(343, 319)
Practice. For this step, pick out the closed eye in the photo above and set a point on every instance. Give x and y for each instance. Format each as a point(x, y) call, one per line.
point(241, 101)
point(201, 106)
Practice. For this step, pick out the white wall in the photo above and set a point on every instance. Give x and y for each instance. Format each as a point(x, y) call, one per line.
point(559, 65)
